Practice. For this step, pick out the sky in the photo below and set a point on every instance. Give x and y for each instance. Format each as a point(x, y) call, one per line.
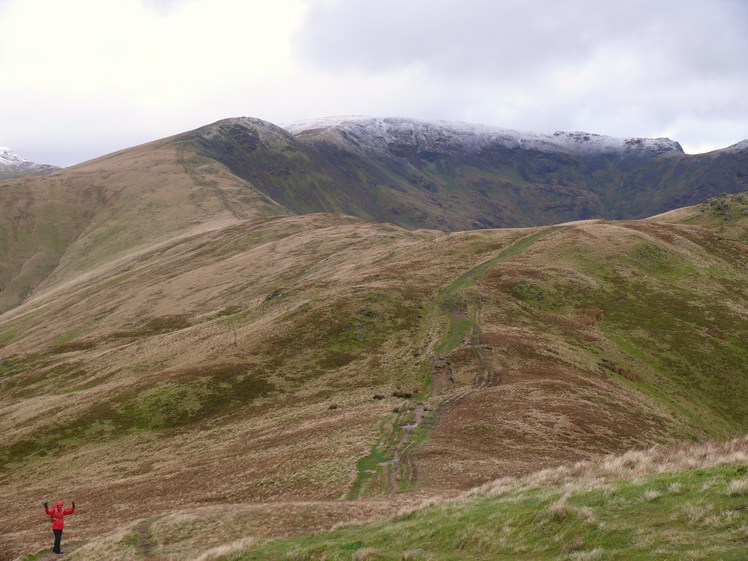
point(82, 78)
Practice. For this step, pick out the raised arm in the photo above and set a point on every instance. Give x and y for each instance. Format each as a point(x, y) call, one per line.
point(70, 510)
point(46, 509)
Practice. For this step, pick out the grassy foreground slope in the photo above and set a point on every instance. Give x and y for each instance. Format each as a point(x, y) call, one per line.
point(262, 370)
point(669, 504)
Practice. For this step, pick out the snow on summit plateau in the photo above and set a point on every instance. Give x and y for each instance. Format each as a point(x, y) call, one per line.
point(385, 132)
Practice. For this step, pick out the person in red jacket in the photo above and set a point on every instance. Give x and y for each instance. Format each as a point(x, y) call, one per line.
point(56, 516)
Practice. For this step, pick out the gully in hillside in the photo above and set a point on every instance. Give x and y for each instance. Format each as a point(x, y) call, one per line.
point(57, 516)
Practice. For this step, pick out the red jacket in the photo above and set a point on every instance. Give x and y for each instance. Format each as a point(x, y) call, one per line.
point(57, 514)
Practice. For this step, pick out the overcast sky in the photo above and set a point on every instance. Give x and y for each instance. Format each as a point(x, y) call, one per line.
point(81, 78)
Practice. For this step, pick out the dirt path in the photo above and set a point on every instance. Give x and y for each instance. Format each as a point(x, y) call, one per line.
point(441, 375)
point(465, 323)
point(395, 464)
point(488, 375)
point(143, 532)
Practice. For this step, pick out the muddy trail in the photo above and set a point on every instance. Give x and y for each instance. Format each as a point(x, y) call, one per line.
point(464, 325)
point(400, 456)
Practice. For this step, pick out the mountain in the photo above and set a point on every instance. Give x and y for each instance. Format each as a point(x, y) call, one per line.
point(388, 134)
point(194, 357)
point(453, 176)
point(57, 226)
point(13, 165)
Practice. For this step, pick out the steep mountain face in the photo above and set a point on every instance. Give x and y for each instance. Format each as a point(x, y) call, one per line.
point(456, 177)
point(13, 165)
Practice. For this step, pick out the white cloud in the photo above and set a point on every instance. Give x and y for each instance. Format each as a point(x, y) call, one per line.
point(114, 71)
point(84, 77)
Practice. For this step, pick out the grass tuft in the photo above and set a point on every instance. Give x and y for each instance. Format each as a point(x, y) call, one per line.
point(738, 487)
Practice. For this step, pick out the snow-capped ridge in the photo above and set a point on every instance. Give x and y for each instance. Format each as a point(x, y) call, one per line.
point(13, 164)
point(9, 158)
point(741, 146)
point(386, 132)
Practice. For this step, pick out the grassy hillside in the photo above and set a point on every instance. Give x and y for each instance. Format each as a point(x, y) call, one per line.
point(238, 169)
point(177, 339)
point(273, 363)
point(688, 503)
point(685, 502)
point(86, 216)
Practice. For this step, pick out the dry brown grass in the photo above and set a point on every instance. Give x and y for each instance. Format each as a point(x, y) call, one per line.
point(296, 301)
point(738, 487)
point(218, 552)
point(365, 554)
point(629, 465)
point(208, 532)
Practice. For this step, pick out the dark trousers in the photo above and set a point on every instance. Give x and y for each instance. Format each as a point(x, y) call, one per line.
point(58, 538)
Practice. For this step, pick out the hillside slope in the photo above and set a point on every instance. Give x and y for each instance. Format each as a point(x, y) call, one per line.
point(414, 174)
point(76, 219)
point(673, 504)
point(302, 360)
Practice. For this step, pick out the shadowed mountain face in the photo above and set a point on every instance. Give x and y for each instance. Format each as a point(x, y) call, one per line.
point(184, 334)
point(460, 177)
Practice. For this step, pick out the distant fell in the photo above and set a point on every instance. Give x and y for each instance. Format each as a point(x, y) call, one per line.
point(455, 176)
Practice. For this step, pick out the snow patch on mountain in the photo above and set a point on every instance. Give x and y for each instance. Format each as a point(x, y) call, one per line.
point(12, 163)
point(386, 133)
point(9, 158)
point(741, 146)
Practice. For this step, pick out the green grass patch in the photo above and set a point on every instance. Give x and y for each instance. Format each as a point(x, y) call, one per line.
point(367, 467)
point(660, 262)
point(672, 516)
point(331, 334)
point(669, 333)
point(726, 208)
point(460, 326)
point(31, 375)
point(534, 295)
point(71, 347)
